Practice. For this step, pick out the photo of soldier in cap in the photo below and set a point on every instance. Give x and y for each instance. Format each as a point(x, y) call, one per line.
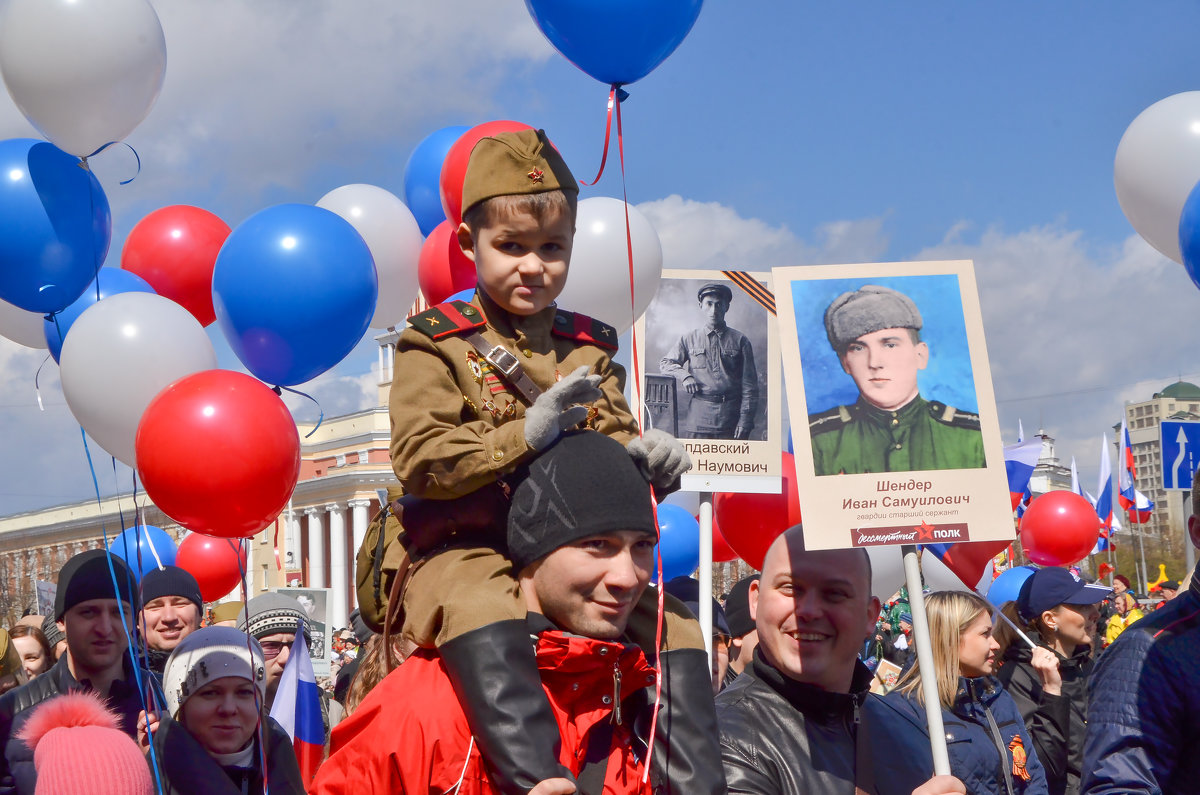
point(719, 390)
point(876, 333)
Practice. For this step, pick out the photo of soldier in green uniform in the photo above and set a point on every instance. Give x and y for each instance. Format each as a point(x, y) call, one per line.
point(876, 334)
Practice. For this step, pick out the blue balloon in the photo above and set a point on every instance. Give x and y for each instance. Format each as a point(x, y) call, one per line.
point(55, 226)
point(462, 295)
point(422, 175)
point(1189, 235)
point(615, 41)
point(678, 541)
point(294, 288)
point(111, 281)
point(137, 547)
point(1007, 586)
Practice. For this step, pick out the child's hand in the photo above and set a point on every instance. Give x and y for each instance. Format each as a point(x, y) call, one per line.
point(661, 458)
point(554, 411)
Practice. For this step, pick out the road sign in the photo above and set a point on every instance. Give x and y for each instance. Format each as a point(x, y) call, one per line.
point(1180, 445)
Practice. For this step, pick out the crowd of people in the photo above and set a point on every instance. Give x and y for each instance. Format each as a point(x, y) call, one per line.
point(509, 639)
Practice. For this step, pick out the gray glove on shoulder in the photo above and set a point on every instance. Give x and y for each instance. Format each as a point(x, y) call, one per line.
point(661, 458)
point(556, 409)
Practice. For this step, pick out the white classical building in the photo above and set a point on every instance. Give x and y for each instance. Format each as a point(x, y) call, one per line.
point(345, 465)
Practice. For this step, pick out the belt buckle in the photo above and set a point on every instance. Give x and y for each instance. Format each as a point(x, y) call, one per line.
point(501, 359)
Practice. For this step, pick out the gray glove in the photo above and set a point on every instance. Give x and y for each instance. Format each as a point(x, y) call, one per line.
point(555, 410)
point(661, 458)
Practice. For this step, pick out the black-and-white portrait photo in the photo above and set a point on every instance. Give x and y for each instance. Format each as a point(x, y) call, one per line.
point(706, 356)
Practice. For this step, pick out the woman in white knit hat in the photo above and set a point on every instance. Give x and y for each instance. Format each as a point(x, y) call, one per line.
point(207, 740)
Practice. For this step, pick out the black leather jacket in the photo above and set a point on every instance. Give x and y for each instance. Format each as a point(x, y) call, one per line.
point(783, 737)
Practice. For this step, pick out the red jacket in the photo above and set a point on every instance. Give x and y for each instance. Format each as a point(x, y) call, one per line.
point(410, 735)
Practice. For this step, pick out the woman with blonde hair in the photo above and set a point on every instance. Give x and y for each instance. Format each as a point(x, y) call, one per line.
point(989, 749)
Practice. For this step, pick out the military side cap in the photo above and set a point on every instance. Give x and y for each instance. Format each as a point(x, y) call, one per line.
point(868, 309)
point(515, 164)
point(721, 290)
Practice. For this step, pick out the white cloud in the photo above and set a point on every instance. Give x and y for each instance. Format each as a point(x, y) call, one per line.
point(710, 235)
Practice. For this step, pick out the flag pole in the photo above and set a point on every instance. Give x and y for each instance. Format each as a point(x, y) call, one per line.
point(929, 688)
point(706, 566)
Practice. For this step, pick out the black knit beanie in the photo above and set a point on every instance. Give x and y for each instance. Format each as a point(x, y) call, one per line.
point(171, 581)
point(87, 576)
point(737, 607)
point(583, 485)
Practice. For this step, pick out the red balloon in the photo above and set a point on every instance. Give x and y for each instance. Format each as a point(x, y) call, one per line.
point(443, 269)
point(174, 249)
point(216, 563)
point(722, 552)
point(750, 522)
point(1059, 528)
point(219, 453)
point(454, 167)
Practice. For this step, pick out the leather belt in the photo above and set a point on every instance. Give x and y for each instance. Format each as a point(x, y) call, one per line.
point(507, 365)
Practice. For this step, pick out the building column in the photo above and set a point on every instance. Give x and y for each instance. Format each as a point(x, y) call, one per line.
point(360, 518)
point(316, 549)
point(338, 581)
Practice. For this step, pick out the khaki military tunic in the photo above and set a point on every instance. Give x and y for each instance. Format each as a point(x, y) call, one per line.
point(923, 435)
point(457, 427)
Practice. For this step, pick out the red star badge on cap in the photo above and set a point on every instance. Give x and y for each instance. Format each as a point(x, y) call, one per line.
point(536, 175)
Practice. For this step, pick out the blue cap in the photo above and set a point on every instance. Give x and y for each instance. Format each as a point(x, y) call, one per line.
point(1050, 587)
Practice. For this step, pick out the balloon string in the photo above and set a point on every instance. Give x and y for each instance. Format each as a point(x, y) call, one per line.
point(616, 95)
point(36, 388)
point(280, 389)
point(136, 157)
point(637, 401)
point(142, 685)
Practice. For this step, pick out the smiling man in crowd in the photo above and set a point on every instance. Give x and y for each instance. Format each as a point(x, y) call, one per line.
point(876, 333)
point(95, 606)
point(171, 610)
point(790, 723)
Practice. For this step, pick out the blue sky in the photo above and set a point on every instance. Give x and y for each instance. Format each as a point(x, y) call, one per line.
point(780, 133)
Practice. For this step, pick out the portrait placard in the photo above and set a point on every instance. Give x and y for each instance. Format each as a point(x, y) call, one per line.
point(315, 602)
point(710, 376)
point(888, 363)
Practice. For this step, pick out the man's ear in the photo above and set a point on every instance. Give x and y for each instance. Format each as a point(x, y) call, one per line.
point(842, 362)
point(753, 599)
point(1193, 525)
point(466, 241)
point(922, 355)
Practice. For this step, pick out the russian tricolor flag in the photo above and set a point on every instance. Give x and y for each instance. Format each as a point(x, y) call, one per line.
point(1137, 504)
point(1103, 501)
point(297, 708)
point(1019, 461)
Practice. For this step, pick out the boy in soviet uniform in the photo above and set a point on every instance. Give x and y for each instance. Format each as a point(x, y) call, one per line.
point(480, 388)
point(875, 332)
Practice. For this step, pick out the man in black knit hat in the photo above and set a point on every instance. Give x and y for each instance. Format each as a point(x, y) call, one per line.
point(581, 538)
point(96, 603)
point(171, 610)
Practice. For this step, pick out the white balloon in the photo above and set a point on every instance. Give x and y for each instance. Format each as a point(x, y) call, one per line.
point(22, 327)
point(598, 280)
point(392, 235)
point(1156, 167)
point(84, 72)
point(121, 352)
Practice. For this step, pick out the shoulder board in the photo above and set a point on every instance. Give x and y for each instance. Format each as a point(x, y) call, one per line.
point(452, 317)
point(582, 328)
point(829, 420)
point(948, 415)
